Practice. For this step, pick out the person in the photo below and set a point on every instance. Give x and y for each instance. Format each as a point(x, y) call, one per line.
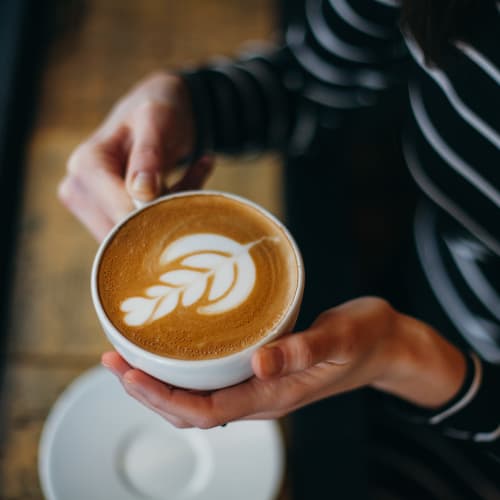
point(343, 64)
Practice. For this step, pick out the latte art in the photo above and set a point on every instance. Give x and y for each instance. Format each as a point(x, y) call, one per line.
point(197, 276)
point(204, 264)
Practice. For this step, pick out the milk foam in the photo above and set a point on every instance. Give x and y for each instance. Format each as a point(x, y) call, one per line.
point(204, 256)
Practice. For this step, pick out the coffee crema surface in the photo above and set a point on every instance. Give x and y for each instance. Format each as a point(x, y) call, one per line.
point(197, 277)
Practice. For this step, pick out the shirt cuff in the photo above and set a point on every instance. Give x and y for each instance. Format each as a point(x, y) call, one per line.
point(434, 416)
point(202, 114)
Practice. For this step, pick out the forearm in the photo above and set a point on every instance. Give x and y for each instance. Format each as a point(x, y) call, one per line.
point(243, 105)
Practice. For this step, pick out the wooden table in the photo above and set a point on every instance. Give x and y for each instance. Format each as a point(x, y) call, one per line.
point(103, 48)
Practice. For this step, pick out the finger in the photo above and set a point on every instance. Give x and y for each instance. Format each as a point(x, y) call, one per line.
point(104, 189)
point(110, 192)
point(99, 168)
point(196, 175)
point(132, 391)
point(203, 411)
point(151, 156)
point(154, 394)
point(78, 201)
point(159, 396)
point(295, 352)
point(114, 362)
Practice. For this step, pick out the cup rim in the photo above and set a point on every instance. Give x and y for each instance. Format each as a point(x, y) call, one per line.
point(138, 351)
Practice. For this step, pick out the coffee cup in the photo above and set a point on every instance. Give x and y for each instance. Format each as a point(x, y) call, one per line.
point(188, 287)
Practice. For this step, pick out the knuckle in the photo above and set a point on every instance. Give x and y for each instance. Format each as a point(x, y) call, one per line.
point(347, 326)
point(66, 190)
point(385, 308)
point(342, 324)
point(63, 190)
point(129, 390)
point(302, 354)
point(179, 424)
point(150, 109)
point(147, 107)
point(341, 330)
point(183, 425)
point(156, 404)
point(346, 339)
point(206, 422)
point(150, 149)
point(76, 162)
point(379, 304)
point(386, 314)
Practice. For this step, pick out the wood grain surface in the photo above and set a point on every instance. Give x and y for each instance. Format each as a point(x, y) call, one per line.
point(102, 48)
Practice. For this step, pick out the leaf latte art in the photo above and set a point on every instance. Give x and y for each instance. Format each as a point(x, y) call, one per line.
point(208, 264)
point(197, 276)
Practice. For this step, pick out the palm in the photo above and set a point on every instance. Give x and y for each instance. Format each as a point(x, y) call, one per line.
point(253, 399)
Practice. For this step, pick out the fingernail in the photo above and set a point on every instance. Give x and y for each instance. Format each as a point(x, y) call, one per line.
point(145, 182)
point(128, 381)
point(273, 361)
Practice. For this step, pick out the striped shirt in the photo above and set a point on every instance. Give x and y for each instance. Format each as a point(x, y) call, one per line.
point(343, 55)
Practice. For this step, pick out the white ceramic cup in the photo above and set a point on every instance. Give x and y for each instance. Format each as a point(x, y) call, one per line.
point(206, 374)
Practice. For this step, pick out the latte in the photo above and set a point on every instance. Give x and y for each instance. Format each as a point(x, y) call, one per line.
point(196, 277)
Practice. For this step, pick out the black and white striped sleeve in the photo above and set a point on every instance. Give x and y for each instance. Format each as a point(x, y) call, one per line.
point(472, 414)
point(452, 148)
point(336, 56)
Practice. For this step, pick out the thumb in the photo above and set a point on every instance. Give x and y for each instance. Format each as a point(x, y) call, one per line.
point(294, 353)
point(147, 163)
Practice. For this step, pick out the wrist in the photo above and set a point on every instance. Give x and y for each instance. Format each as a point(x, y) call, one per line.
point(195, 89)
point(188, 114)
point(424, 368)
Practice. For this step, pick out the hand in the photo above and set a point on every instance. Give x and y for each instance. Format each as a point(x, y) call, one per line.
point(364, 342)
point(142, 139)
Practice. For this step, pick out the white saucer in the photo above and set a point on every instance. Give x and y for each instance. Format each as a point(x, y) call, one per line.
point(99, 443)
